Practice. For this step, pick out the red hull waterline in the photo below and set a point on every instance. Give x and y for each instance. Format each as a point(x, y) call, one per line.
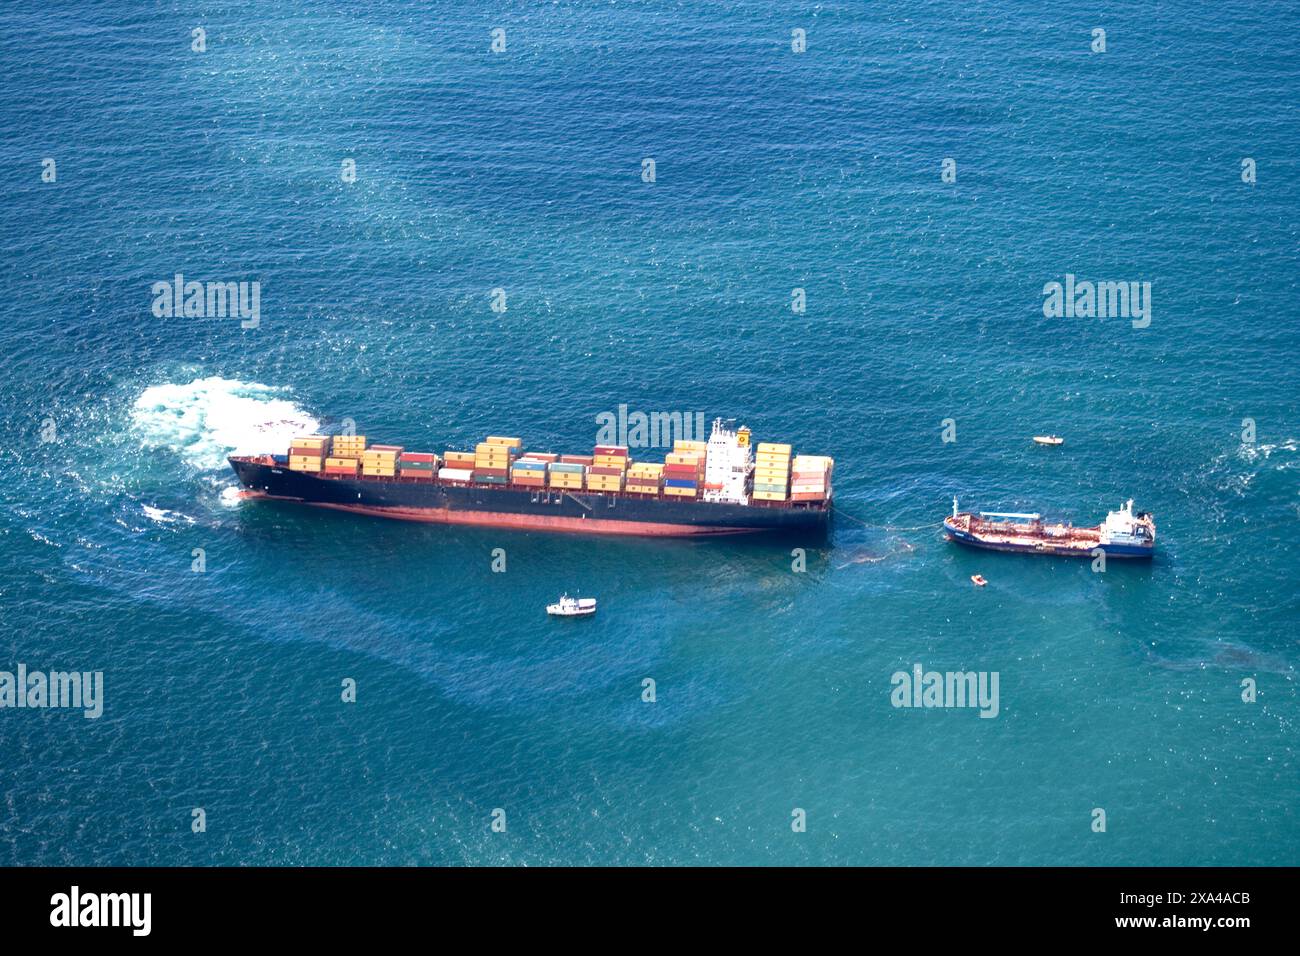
point(518, 522)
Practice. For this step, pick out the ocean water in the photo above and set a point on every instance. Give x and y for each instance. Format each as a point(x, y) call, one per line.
point(775, 170)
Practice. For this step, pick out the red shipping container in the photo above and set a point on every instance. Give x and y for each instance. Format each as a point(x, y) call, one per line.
point(419, 456)
point(604, 470)
point(417, 473)
point(495, 472)
point(576, 459)
point(385, 448)
point(529, 482)
point(543, 455)
point(619, 450)
point(680, 471)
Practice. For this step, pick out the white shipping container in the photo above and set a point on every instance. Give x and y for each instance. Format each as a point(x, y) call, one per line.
point(455, 474)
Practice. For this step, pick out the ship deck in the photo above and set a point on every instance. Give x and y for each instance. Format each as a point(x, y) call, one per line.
point(541, 492)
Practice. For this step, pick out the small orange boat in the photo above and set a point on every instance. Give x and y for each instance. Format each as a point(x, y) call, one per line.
point(978, 580)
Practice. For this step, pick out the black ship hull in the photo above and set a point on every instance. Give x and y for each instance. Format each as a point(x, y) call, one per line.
point(539, 509)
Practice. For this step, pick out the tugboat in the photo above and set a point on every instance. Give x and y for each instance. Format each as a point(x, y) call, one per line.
point(1122, 535)
point(572, 607)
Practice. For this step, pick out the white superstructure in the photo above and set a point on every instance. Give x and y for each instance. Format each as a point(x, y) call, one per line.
point(1123, 527)
point(730, 459)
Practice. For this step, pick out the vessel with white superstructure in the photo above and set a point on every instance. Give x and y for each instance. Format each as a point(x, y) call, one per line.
point(1123, 534)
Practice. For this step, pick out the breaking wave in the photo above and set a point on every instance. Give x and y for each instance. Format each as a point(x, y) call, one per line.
point(207, 419)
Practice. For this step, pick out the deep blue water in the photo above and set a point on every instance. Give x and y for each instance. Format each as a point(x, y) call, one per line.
point(774, 170)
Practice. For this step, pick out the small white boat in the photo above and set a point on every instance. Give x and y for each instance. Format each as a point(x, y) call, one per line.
point(1049, 439)
point(572, 607)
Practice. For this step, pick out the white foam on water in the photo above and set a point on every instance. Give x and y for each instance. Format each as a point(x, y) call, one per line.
point(209, 418)
point(163, 516)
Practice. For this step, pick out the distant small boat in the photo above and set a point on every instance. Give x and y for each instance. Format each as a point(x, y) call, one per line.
point(572, 607)
point(1049, 440)
point(978, 580)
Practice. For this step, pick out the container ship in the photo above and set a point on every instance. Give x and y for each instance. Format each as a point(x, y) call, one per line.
point(715, 487)
point(1122, 535)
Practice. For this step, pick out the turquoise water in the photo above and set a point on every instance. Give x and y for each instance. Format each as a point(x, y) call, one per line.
point(774, 170)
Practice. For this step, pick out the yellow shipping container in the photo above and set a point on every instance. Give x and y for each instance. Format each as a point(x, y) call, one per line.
point(511, 442)
point(310, 441)
point(770, 495)
point(768, 446)
point(813, 463)
point(683, 458)
point(681, 445)
point(298, 463)
point(340, 462)
point(681, 492)
point(459, 457)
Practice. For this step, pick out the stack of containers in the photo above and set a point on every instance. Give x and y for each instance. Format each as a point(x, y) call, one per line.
point(684, 472)
point(811, 478)
point(458, 466)
point(349, 446)
point(421, 465)
point(772, 472)
point(380, 461)
point(643, 478)
point(492, 459)
point(307, 452)
point(342, 467)
point(529, 472)
point(608, 468)
point(567, 473)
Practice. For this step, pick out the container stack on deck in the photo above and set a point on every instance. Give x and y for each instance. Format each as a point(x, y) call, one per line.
point(812, 478)
point(684, 469)
point(568, 473)
point(529, 472)
point(608, 468)
point(307, 453)
point(772, 472)
point(349, 446)
point(421, 465)
point(644, 478)
point(492, 459)
point(457, 466)
point(380, 461)
point(342, 467)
